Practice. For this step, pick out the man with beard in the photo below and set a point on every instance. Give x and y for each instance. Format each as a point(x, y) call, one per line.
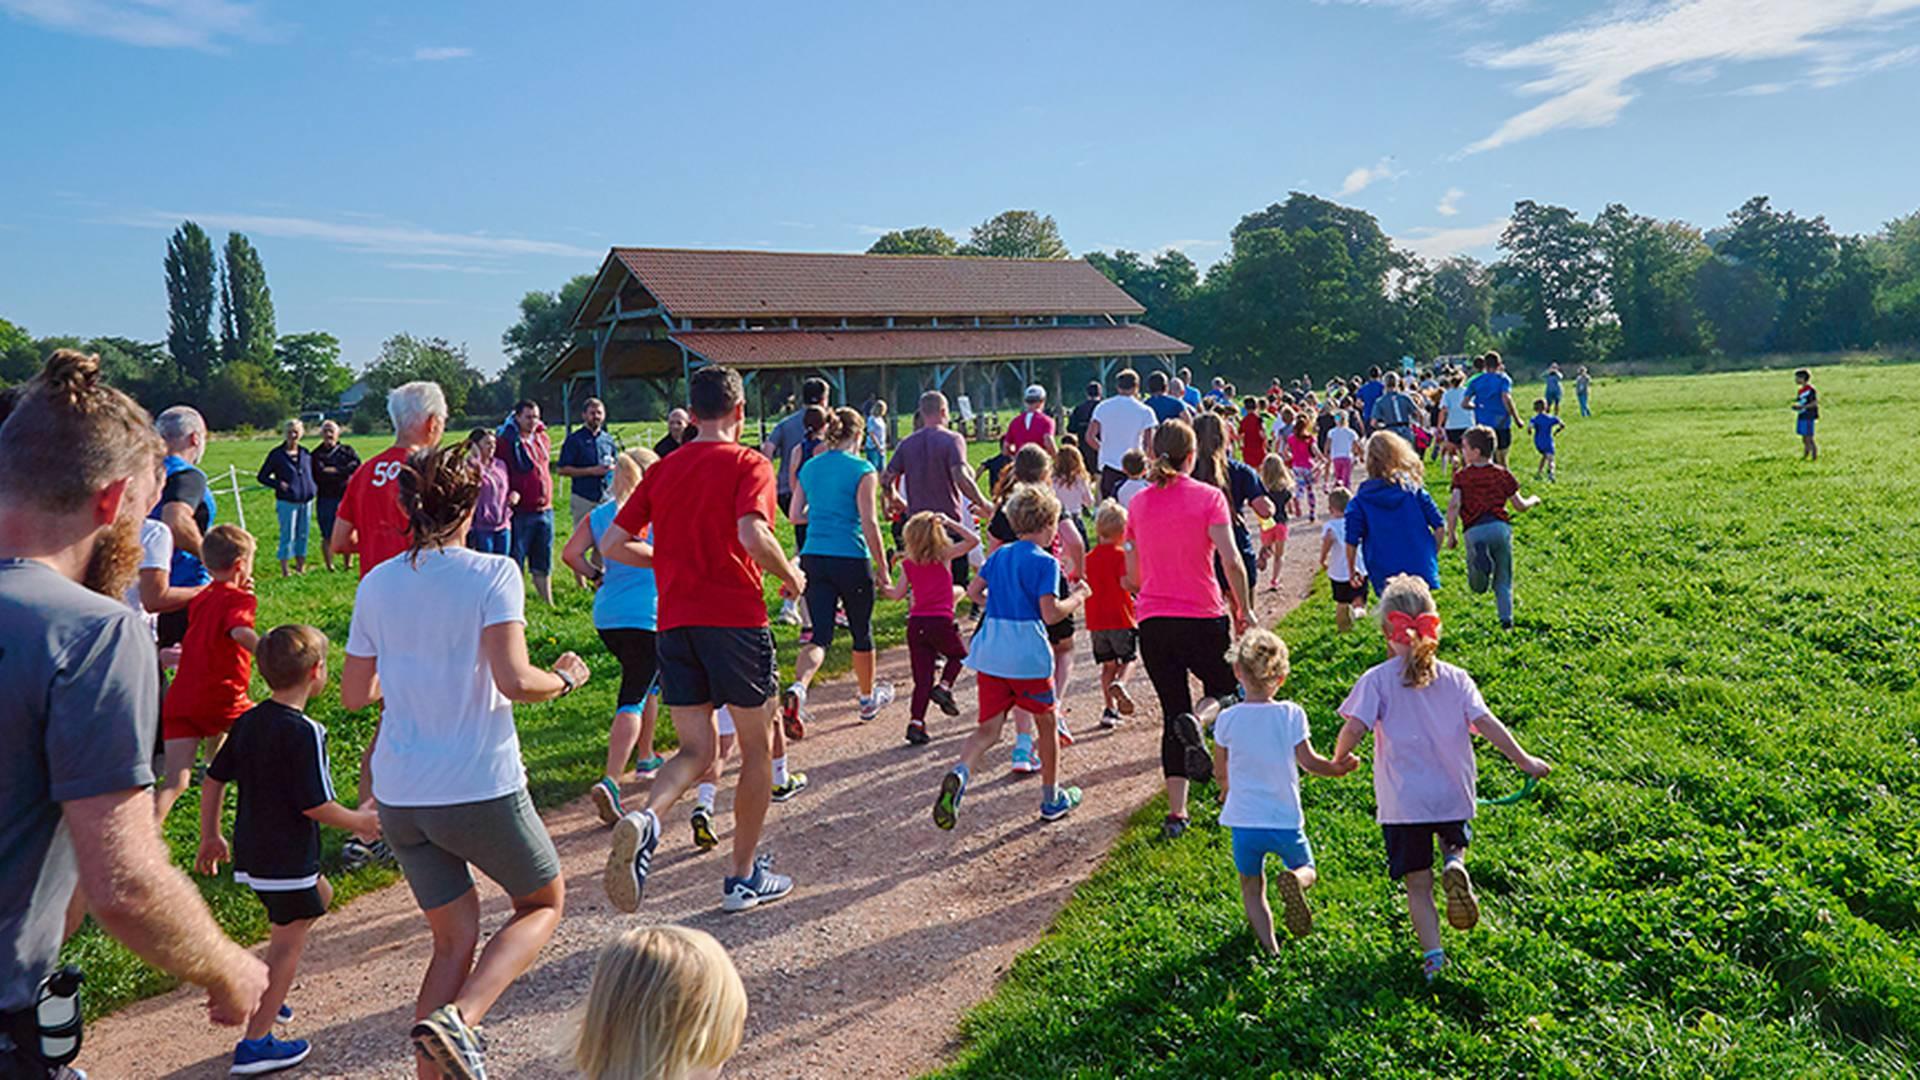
point(82, 465)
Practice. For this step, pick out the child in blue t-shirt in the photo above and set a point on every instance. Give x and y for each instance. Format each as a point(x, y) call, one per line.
point(1010, 652)
point(1544, 425)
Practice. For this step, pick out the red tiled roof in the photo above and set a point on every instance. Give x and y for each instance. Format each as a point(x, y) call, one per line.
point(693, 284)
point(764, 348)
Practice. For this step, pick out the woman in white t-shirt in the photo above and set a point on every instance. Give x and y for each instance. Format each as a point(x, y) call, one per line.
point(439, 641)
point(1455, 418)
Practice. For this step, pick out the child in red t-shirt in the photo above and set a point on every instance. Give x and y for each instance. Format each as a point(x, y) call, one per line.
point(1482, 492)
point(1110, 621)
point(209, 691)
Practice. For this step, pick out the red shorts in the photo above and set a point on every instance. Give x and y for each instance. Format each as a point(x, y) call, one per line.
point(1274, 534)
point(196, 725)
point(998, 695)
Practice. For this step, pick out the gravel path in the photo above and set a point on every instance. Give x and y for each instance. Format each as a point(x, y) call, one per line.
point(893, 930)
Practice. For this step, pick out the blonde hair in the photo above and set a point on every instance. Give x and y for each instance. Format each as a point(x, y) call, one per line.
point(1110, 521)
point(1260, 658)
point(1409, 595)
point(1173, 444)
point(924, 537)
point(1068, 466)
point(628, 469)
point(224, 546)
point(1390, 457)
point(1274, 474)
point(843, 425)
point(1031, 508)
point(1337, 499)
point(665, 1000)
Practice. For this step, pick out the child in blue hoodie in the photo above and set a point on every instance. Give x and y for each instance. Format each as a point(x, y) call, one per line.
point(1392, 521)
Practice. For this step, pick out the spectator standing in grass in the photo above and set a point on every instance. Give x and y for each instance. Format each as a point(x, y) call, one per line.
point(1482, 492)
point(491, 531)
point(586, 457)
point(679, 433)
point(333, 465)
point(83, 466)
point(1423, 713)
point(1552, 379)
point(288, 473)
point(526, 448)
point(186, 506)
point(1582, 385)
point(438, 639)
point(1806, 409)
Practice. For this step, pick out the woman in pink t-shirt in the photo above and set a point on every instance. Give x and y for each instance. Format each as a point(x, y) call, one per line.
point(1175, 529)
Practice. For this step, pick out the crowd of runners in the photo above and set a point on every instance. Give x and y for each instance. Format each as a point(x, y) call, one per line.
point(1146, 516)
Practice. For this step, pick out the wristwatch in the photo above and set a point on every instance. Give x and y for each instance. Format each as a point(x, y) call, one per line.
point(568, 680)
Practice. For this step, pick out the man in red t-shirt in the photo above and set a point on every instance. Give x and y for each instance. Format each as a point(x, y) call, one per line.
point(370, 520)
point(209, 691)
point(1482, 491)
point(711, 506)
point(1032, 427)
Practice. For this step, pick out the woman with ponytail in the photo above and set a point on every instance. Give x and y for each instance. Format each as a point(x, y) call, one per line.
point(1238, 480)
point(1423, 713)
point(439, 640)
point(1176, 529)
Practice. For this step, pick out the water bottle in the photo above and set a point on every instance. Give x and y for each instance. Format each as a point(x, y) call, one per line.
point(58, 1015)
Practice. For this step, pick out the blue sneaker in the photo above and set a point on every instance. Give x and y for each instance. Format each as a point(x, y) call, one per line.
point(1024, 759)
point(629, 859)
point(763, 887)
point(285, 1014)
point(946, 808)
point(1064, 800)
point(254, 1057)
point(606, 800)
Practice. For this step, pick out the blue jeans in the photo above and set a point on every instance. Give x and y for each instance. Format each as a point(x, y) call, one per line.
point(324, 511)
point(294, 518)
point(491, 541)
point(533, 540)
point(1490, 562)
point(1584, 411)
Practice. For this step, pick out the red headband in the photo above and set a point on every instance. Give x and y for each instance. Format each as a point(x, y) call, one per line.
point(1404, 627)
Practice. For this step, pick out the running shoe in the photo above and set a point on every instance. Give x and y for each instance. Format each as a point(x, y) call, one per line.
point(1060, 727)
point(1193, 745)
point(630, 859)
point(646, 767)
point(796, 783)
point(606, 800)
point(1173, 828)
point(703, 837)
point(790, 612)
point(942, 695)
point(1109, 718)
point(451, 1044)
point(1024, 759)
point(1432, 964)
point(917, 733)
point(356, 853)
point(764, 887)
point(266, 1054)
point(1294, 912)
point(946, 807)
point(1463, 908)
point(1123, 699)
point(792, 701)
point(882, 697)
point(1064, 800)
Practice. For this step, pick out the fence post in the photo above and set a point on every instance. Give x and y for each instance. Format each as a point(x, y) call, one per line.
point(239, 509)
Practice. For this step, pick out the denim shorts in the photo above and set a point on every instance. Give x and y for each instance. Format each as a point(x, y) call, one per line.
point(1252, 846)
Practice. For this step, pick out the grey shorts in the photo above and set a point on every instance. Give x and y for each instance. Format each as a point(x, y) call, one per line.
point(1121, 645)
point(503, 837)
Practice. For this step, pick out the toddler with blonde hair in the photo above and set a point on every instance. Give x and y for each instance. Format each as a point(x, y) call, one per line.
point(666, 1003)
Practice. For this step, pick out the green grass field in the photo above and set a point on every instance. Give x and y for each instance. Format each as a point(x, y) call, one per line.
point(1717, 647)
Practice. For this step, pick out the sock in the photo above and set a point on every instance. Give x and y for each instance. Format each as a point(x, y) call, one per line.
point(780, 771)
point(800, 692)
point(705, 796)
point(1047, 793)
point(1022, 741)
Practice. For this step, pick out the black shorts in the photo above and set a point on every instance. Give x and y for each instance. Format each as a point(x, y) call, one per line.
point(718, 665)
point(1502, 438)
point(1060, 631)
point(1110, 481)
point(171, 627)
point(833, 581)
point(1453, 435)
point(291, 906)
point(1115, 646)
point(635, 650)
point(1349, 592)
point(1410, 847)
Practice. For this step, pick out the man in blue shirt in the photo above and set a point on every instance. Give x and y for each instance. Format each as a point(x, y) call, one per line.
point(1369, 393)
point(587, 457)
point(1490, 396)
point(1191, 395)
point(1164, 405)
point(186, 507)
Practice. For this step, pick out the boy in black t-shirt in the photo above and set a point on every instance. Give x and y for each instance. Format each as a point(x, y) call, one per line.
point(278, 756)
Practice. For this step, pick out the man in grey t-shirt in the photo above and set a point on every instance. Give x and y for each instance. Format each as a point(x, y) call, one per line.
point(788, 434)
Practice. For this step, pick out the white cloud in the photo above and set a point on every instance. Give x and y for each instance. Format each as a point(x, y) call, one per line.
point(207, 25)
point(1765, 89)
point(431, 53)
point(1367, 175)
point(384, 239)
point(1587, 73)
point(1433, 243)
point(447, 268)
point(1450, 202)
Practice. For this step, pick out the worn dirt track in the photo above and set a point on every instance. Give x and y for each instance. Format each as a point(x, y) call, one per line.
point(894, 928)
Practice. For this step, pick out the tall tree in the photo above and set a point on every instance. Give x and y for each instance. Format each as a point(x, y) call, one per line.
point(1895, 252)
point(1793, 253)
point(1465, 292)
point(1736, 302)
point(246, 306)
point(537, 339)
point(1847, 295)
point(189, 266)
point(308, 366)
point(404, 358)
point(1553, 272)
point(1017, 234)
point(919, 240)
point(1650, 269)
point(19, 360)
point(1165, 286)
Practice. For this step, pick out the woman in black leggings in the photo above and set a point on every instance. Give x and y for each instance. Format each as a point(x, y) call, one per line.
point(1176, 529)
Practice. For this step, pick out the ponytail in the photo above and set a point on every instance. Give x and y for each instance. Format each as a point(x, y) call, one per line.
point(437, 489)
point(1173, 444)
point(1408, 616)
point(842, 424)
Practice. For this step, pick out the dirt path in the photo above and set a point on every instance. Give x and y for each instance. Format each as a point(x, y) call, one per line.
point(894, 928)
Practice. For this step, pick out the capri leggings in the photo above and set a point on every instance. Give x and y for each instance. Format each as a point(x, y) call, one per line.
point(838, 581)
point(1171, 649)
point(639, 665)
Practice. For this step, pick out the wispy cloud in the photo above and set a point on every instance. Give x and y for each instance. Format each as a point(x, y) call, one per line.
point(384, 239)
point(407, 301)
point(431, 53)
point(447, 268)
point(207, 25)
point(1435, 243)
point(1367, 175)
point(1449, 204)
point(1587, 74)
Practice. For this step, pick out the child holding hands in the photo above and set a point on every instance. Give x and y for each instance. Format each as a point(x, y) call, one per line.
point(1259, 747)
point(1423, 713)
point(929, 544)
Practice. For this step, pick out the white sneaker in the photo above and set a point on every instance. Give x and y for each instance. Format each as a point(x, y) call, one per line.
point(882, 697)
point(790, 613)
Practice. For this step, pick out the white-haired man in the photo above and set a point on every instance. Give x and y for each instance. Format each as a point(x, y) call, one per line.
point(186, 507)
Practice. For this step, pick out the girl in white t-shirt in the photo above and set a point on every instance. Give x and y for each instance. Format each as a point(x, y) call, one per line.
point(1349, 583)
point(1260, 746)
point(1072, 486)
point(1341, 440)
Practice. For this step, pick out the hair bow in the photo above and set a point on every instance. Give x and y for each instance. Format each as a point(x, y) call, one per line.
point(1407, 627)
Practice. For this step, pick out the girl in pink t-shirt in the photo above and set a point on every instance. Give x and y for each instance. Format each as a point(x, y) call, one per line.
point(1176, 529)
point(1304, 453)
point(929, 543)
point(1423, 713)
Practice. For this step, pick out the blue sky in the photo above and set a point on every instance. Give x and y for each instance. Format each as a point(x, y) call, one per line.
point(418, 167)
